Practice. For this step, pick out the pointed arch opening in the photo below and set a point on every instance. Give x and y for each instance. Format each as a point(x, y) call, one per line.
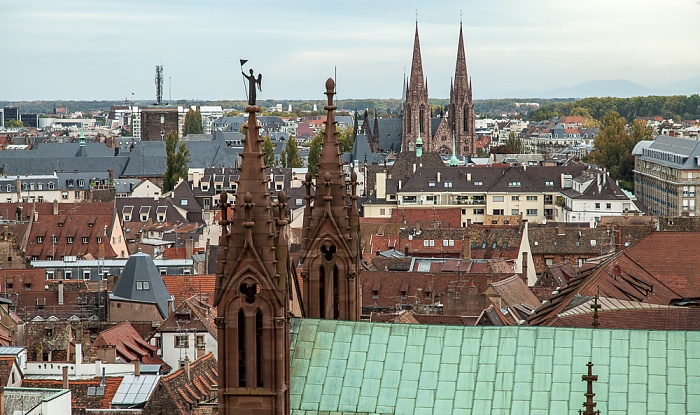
point(259, 348)
point(241, 349)
point(322, 292)
point(421, 123)
point(465, 115)
point(336, 294)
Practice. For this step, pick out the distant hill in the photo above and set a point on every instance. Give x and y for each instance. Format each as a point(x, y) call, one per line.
point(684, 87)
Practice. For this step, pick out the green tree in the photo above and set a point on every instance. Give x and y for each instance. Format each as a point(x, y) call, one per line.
point(283, 158)
point(514, 144)
point(292, 153)
point(193, 122)
point(315, 152)
point(614, 145)
point(269, 152)
point(12, 123)
point(177, 157)
point(345, 140)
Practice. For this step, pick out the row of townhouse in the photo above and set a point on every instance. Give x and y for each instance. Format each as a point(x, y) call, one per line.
point(64, 187)
point(576, 193)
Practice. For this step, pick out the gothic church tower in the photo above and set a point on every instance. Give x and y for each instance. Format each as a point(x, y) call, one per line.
point(461, 110)
point(254, 278)
point(330, 233)
point(416, 110)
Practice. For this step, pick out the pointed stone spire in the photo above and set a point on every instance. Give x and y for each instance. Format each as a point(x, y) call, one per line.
point(461, 114)
point(251, 227)
point(416, 62)
point(330, 233)
point(461, 76)
point(416, 115)
point(254, 275)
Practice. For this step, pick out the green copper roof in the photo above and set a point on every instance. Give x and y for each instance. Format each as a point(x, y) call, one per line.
point(342, 367)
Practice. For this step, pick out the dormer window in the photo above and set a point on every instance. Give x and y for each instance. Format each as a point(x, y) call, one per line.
point(81, 183)
point(143, 285)
point(70, 239)
point(85, 239)
point(39, 239)
point(54, 239)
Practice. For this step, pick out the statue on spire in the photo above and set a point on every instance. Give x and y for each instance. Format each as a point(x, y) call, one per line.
point(252, 82)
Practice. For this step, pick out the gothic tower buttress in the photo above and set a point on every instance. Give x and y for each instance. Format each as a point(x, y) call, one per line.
point(330, 235)
point(253, 279)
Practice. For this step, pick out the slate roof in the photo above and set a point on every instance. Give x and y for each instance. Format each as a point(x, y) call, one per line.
point(139, 268)
point(148, 158)
point(379, 368)
point(664, 146)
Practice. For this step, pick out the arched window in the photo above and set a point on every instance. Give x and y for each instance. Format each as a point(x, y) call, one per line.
point(420, 121)
point(241, 349)
point(336, 295)
point(259, 348)
point(465, 114)
point(322, 292)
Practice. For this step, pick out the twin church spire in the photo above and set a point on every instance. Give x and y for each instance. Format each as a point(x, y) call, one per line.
point(460, 114)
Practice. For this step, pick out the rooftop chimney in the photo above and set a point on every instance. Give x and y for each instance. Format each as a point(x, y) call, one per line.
point(60, 292)
point(561, 228)
point(189, 248)
point(187, 367)
point(524, 267)
point(55, 207)
point(137, 368)
point(64, 370)
point(438, 177)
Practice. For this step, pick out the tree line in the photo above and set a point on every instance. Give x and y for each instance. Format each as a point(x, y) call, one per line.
point(676, 107)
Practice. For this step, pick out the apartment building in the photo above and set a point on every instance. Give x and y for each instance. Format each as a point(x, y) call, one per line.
point(667, 174)
point(535, 193)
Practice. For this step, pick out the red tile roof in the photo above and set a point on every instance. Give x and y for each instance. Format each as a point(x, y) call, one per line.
point(185, 286)
point(79, 390)
point(130, 345)
point(659, 269)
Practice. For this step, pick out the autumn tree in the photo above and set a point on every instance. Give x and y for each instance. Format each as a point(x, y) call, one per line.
point(293, 159)
point(177, 157)
point(269, 152)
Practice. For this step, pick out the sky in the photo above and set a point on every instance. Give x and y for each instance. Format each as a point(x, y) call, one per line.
point(108, 50)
